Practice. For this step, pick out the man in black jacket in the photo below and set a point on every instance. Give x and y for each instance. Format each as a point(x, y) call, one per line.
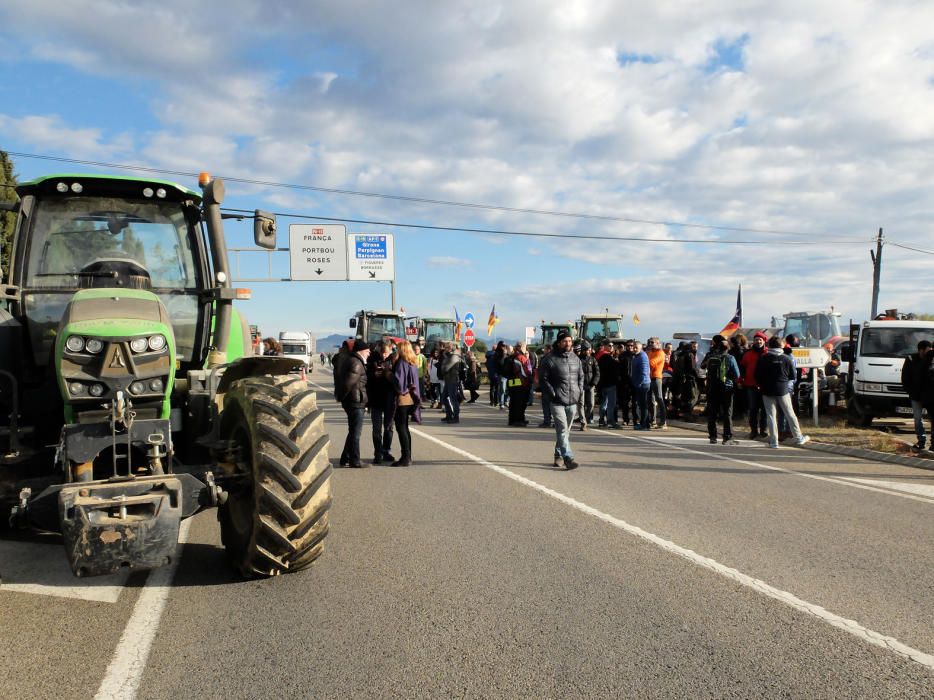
point(775, 375)
point(914, 374)
point(591, 378)
point(562, 380)
point(351, 392)
point(382, 400)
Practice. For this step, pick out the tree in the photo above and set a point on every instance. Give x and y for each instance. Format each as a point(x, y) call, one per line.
point(7, 219)
point(479, 346)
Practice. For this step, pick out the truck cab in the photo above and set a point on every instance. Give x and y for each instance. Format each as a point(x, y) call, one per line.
point(876, 358)
point(299, 346)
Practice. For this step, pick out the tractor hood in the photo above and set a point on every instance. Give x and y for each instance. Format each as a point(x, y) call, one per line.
point(121, 306)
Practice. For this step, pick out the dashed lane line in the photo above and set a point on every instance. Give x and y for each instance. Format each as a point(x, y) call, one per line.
point(851, 626)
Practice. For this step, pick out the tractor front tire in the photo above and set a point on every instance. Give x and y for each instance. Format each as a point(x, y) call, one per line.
point(276, 515)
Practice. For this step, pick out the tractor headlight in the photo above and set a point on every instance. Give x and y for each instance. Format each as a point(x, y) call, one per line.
point(75, 343)
point(94, 345)
point(156, 385)
point(139, 344)
point(97, 390)
point(137, 388)
point(77, 388)
point(156, 342)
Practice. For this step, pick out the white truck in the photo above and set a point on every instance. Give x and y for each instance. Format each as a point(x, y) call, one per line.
point(876, 357)
point(299, 346)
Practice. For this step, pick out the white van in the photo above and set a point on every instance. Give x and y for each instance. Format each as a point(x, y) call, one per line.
point(299, 346)
point(876, 382)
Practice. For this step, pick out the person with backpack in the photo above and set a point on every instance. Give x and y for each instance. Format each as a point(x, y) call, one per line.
point(722, 377)
point(775, 371)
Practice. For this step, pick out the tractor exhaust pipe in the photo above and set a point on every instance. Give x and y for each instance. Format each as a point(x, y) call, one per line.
point(213, 190)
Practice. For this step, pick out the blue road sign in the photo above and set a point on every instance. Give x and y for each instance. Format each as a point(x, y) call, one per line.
point(468, 320)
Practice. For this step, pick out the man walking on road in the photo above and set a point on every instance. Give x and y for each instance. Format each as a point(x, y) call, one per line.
point(774, 373)
point(562, 379)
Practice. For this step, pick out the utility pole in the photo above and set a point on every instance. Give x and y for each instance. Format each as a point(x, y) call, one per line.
point(876, 273)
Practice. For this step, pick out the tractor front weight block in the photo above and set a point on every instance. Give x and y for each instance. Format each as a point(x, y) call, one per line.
point(125, 524)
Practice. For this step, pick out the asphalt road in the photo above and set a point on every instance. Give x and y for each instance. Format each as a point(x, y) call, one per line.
point(663, 567)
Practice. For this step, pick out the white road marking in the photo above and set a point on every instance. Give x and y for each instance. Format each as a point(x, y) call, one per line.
point(722, 453)
point(42, 569)
point(126, 668)
point(851, 626)
point(926, 490)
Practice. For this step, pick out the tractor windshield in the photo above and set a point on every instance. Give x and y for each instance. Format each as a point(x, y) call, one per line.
point(380, 326)
point(601, 328)
point(436, 331)
point(71, 234)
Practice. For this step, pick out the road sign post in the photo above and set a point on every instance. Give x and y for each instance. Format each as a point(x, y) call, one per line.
point(318, 252)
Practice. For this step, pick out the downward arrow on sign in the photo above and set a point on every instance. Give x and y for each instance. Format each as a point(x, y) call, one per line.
point(319, 271)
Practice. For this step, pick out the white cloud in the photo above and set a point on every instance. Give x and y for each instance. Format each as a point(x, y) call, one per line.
point(823, 126)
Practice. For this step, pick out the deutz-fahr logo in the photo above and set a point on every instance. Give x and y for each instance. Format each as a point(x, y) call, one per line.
point(117, 361)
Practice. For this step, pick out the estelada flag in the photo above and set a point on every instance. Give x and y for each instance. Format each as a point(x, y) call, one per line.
point(737, 321)
point(458, 327)
point(492, 321)
point(635, 319)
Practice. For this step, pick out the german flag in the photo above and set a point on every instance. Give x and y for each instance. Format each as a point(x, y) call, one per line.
point(737, 321)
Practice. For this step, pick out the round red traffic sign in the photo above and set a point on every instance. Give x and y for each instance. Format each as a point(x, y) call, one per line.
point(469, 338)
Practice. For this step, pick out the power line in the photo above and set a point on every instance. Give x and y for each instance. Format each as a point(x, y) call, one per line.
point(889, 241)
point(500, 232)
point(420, 200)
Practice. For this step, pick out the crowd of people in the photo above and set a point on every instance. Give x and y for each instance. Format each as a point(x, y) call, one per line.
point(612, 386)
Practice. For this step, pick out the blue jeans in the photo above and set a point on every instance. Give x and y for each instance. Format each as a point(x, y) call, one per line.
point(503, 392)
point(608, 404)
point(382, 431)
point(452, 407)
point(916, 408)
point(351, 453)
point(563, 417)
point(642, 402)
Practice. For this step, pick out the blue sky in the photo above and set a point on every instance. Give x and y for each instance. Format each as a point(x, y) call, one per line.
point(812, 118)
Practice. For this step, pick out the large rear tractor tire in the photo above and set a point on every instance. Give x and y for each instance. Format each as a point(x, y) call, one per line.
point(276, 516)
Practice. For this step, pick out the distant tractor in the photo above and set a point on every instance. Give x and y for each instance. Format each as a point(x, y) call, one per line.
point(595, 328)
point(814, 329)
point(436, 331)
point(373, 326)
point(130, 395)
point(549, 333)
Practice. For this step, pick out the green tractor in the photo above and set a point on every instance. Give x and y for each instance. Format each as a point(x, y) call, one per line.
point(130, 397)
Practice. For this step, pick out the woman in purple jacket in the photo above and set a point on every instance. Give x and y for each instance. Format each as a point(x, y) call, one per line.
point(408, 398)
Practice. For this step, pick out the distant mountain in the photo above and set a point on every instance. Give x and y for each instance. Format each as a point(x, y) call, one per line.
point(330, 343)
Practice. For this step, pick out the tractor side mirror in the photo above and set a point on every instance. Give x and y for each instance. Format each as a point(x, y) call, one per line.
point(846, 354)
point(353, 323)
point(264, 229)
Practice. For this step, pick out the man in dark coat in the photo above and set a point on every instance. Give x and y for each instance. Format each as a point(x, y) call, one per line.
point(914, 374)
point(351, 392)
point(382, 403)
point(562, 379)
point(591, 378)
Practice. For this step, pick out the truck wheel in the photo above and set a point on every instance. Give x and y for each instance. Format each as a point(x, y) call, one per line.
point(856, 415)
point(276, 515)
